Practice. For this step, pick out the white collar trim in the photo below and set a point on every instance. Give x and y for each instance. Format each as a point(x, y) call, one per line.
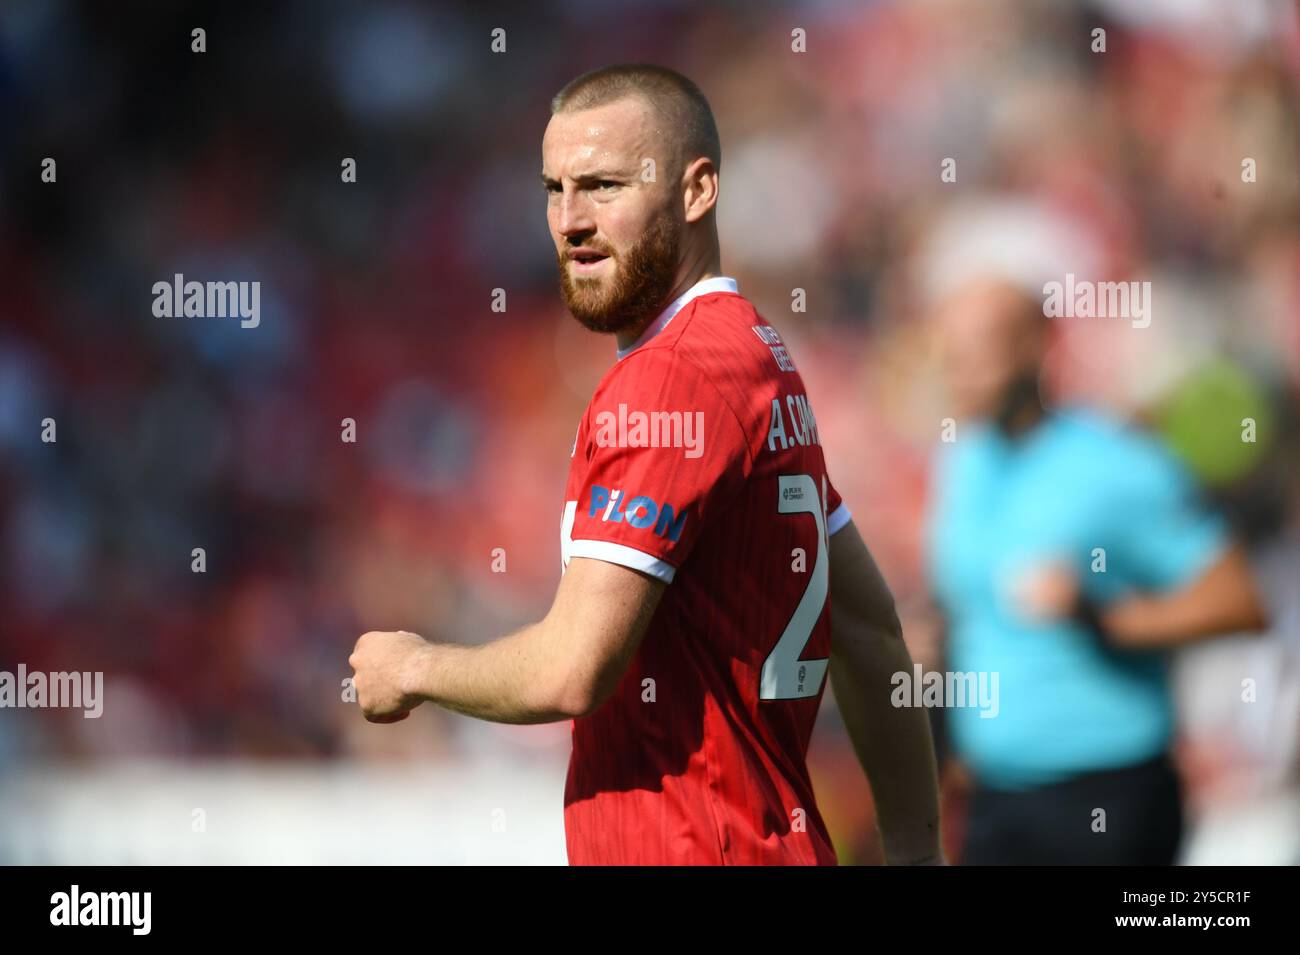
point(719, 283)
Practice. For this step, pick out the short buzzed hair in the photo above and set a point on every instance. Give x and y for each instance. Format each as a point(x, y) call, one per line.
point(678, 101)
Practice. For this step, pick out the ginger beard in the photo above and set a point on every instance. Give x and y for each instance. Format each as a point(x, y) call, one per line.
point(639, 288)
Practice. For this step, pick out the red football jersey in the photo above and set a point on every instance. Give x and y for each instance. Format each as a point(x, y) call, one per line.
point(698, 462)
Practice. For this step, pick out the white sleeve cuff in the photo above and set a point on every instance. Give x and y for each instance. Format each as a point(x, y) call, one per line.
point(838, 519)
point(624, 556)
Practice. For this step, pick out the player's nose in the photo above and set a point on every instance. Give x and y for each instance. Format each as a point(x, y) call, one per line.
point(574, 216)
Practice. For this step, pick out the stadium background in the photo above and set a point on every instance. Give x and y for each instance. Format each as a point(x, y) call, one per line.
point(225, 736)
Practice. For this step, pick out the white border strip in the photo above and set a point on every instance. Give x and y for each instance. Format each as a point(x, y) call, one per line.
point(838, 519)
point(624, 556)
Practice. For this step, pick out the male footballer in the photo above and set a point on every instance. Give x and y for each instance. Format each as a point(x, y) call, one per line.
point(713, 577)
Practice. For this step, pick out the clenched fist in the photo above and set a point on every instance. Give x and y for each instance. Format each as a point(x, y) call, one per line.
point(1046, 592)
point(386, 665)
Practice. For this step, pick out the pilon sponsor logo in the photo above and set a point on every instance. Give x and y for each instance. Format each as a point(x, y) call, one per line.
point(618, 507)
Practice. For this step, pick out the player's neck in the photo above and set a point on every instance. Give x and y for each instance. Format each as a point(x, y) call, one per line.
point(1023, 411)
point(709, 270)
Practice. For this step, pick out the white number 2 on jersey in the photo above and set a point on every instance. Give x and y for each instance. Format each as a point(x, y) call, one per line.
point(785, 676)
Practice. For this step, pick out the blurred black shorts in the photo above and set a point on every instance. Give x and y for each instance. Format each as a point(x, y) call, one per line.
point(1058, 824)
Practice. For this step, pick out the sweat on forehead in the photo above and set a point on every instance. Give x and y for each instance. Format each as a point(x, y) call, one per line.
point(623, 131)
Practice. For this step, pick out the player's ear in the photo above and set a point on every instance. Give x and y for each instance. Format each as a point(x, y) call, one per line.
point(699, 188)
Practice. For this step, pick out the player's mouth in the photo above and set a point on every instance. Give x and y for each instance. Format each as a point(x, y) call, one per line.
point(587, 261)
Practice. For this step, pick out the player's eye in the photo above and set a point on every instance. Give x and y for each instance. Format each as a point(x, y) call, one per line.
point(606, 184)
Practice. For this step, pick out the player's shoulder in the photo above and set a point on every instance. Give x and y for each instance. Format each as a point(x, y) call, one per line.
point(717, 335)
point(1112, 442)
point(714, 323)
point(1131, 458)
point(714, 350)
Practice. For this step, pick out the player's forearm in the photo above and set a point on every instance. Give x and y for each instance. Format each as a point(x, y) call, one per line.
point(1222, 600)
point(505, 681)
point(893, 744)
point(563, 667)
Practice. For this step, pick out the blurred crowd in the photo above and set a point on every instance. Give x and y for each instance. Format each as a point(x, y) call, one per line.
point(1171, 154)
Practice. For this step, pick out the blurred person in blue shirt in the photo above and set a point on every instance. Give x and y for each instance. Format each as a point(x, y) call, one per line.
point(1067, 552)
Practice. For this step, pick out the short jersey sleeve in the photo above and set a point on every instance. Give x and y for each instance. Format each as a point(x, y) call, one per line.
point(1166, 535)
point(837, 512)
point(664, 454)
